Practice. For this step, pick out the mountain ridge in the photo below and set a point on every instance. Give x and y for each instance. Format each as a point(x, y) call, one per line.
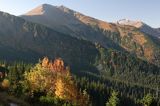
point(32, 41)
point(140, 25)
point(136, 23)
point(66, 21)
point(110, 35)
point(110, 66)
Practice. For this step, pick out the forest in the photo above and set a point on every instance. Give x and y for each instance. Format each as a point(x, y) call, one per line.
point(52, 83)
point(56, 56)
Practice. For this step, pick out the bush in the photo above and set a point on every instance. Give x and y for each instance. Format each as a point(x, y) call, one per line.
point(5, 84)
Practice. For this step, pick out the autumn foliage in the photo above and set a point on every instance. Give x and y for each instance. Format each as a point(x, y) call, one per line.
point(5, 84)
point(53, 78)
point(55, 66)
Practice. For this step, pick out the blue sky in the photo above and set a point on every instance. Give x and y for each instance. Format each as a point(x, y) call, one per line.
point(107, 10)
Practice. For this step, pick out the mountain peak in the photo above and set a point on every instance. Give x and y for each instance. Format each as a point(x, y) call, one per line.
point(135, 23)
point(47, 8)
point(37, 11)
point(41, 9)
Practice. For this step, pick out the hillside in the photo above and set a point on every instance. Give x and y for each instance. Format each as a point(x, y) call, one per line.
point(66, 21)
point(117, 36)
point(33, 41)
point(97, 68)
point(22, 40)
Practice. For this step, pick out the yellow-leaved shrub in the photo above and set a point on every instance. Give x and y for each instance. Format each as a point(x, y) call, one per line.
point(53, 78)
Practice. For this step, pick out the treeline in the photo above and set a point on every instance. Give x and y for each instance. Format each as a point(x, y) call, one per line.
point(132, 78)
point(100, 89)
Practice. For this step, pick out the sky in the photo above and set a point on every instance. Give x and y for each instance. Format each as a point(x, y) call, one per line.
point(107, 10)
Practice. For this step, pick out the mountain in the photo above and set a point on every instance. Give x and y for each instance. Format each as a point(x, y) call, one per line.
point(61, 16)
point(26, 41)
point(102, 67)
point(69, 22)
point(136, 24)
point(140, 25)
point(22, 40)
point(118, 36)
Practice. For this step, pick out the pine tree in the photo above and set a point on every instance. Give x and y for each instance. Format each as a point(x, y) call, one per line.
point(113, 100)
point(147, 100)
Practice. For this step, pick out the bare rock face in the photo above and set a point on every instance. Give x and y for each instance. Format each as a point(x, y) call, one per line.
point(140, 25)
point(136, 24)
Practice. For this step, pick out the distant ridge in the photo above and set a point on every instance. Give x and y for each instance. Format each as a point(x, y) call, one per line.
point(136, 24)
point(140, 25)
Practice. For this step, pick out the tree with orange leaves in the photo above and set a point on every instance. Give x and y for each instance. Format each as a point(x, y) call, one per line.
point(53, 78)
